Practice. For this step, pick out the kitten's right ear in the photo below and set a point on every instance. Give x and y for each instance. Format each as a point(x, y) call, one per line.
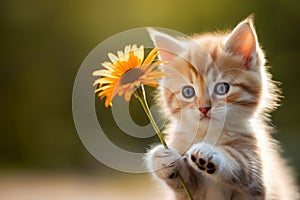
point(243, 41)
point(168, 46)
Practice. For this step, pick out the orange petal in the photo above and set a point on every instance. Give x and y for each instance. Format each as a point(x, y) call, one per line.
point(127, 95)
point(103, 88)
point(135, 84)
point(153, 65)
point(151, 56)
point(106, 92)
point(151, 84)
point(132, 60)
point(104, 81)
point(121, 92)
point(122, 66)
point(108, 102)
point(122, 89)
point(157, 74)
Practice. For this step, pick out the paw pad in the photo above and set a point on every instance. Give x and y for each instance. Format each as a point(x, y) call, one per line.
point(204, 165)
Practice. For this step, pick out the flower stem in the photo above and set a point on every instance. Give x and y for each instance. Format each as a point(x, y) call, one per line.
point(185, 187)
point(140, 94)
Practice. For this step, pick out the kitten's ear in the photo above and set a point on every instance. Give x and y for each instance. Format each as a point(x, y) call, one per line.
point(243, 41)
point(169, 47)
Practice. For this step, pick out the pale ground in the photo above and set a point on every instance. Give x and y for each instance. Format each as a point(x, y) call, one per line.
point(74, 187)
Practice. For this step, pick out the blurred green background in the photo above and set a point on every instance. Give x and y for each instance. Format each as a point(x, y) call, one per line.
point(44, 42)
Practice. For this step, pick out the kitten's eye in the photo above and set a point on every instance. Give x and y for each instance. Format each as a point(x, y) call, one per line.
point(188, 92)
point(221, 88)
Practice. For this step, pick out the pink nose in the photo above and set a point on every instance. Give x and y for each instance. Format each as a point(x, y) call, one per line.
point(204, 110)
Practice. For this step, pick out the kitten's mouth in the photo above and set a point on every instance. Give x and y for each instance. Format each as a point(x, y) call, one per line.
point(205, 118)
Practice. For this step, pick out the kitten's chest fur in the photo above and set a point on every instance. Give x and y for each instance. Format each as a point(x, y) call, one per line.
point(207, 188)
point(183, 140)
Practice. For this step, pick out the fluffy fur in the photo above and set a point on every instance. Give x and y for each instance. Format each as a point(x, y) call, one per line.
point(220, 143)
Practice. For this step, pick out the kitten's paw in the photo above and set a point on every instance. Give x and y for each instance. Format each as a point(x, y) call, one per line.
point(163, 162)
point(205, 158)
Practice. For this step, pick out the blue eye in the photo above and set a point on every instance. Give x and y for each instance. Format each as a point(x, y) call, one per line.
point(221, 88)
point(188, 92)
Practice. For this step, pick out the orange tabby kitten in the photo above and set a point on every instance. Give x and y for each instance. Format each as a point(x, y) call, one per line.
point(217, 97)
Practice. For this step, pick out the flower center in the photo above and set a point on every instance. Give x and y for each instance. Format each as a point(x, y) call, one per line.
point(131, 75)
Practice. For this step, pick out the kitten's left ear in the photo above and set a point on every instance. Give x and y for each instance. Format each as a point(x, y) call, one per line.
point(243, 42)
point(169, 47)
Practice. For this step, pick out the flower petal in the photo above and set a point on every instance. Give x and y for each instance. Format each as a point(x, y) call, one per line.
point(134, 48)
point(157, 73)
point(132, 60)
point(101, 89)
point(120, 54)
point(98, 72)
point(127, 49)
point(109, 74)
point(127, 94)
point(151, 83)
point(140, 53)
point(105, 80)
point(152, 55)
point(107, 65)
point(150, 67)
point(106, 92)
point(108, 101)
point(112, 57)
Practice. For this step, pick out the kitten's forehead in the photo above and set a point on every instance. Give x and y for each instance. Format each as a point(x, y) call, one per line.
point(201, 60)
point(208, 56)
point(182, 73)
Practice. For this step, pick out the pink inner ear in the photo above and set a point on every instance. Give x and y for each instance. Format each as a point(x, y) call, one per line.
point(166, 55)
point(248, 46)
point(243, 42)
point(168, 46)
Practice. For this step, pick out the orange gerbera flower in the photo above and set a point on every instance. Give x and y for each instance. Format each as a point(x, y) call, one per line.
point(126, 72)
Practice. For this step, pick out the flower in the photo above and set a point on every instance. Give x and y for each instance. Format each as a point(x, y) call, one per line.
point(126, 72)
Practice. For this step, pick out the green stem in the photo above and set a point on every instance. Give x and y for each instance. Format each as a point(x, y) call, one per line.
point(140, 94)
point(185, 187)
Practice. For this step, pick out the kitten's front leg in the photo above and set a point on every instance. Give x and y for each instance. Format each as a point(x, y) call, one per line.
point(239, 168)
point(165, 164)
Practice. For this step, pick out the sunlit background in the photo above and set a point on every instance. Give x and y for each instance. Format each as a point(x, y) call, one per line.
point(43, 44)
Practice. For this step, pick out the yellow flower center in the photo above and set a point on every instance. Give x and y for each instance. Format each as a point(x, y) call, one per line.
point(131, 75)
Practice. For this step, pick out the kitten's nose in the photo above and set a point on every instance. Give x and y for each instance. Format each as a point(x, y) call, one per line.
point(204, 110)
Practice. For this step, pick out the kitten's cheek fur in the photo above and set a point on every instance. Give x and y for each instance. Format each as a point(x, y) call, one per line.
point(162, 162)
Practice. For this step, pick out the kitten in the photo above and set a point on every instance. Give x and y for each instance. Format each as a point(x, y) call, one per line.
point(217, 97)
